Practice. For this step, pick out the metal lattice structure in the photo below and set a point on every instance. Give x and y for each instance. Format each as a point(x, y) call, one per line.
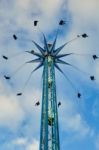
point(49, 58)
point(49, 123)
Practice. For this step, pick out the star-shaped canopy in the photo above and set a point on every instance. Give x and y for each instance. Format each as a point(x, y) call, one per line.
point(52, 51)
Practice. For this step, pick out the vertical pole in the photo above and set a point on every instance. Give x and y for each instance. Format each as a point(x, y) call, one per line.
point(44, 113)
point(56, 115)
point(49, 134)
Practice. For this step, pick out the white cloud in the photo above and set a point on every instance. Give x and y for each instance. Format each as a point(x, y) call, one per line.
point(96, 70)
point(14, 109)
point(50, 8)
point(72, 121)
point(11, 113)
point(30, 100)
point(84, 12)
point(25, 142)
point(33, 146)
point(44, 10)
point(19, 15)
point(19, 141)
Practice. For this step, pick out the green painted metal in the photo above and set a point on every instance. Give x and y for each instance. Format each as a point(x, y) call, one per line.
point(49, 57)
point(44, 113)
point(49, 139)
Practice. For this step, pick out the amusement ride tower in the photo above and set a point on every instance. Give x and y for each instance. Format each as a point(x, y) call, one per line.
point(49, 58)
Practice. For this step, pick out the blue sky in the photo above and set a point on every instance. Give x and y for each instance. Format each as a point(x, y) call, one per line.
point(78, 118)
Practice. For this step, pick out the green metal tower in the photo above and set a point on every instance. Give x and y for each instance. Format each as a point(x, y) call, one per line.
point(49, 57)
point(49, 139)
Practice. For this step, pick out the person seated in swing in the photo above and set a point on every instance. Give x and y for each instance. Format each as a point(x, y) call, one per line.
point(59, 104)
point(37, 103)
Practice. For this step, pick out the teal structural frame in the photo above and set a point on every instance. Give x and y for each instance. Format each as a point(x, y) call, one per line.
point(49, 57)
point(49, 136)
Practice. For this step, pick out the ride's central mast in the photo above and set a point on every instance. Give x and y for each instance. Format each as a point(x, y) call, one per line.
point(49, 58)
point(49, 138)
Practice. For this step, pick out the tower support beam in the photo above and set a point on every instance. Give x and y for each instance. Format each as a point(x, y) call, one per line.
point(49, 134)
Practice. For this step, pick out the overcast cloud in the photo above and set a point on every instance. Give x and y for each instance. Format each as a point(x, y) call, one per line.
point(19, 118)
